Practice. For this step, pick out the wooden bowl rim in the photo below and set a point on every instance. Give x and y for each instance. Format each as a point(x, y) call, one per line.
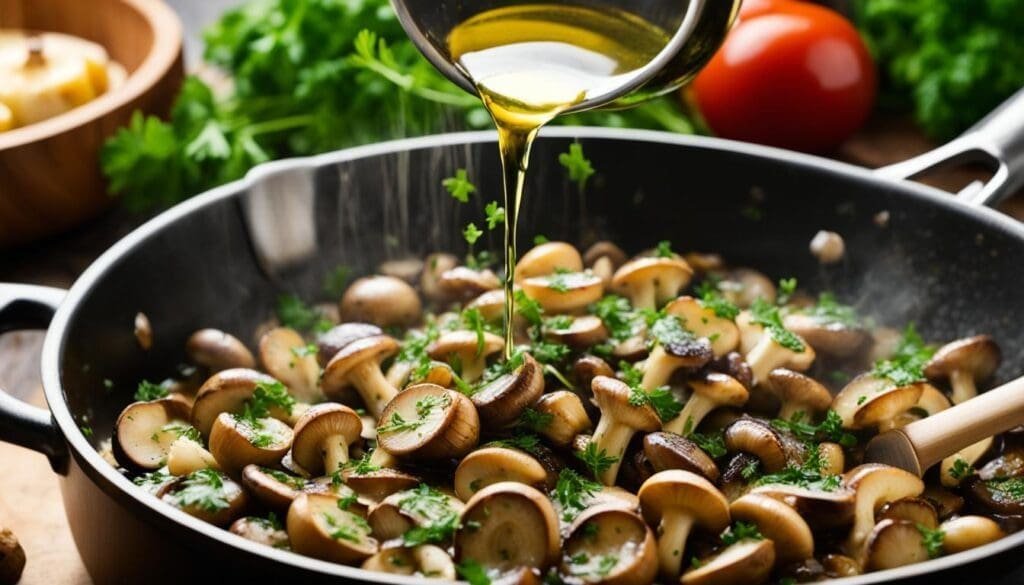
point(166, 49)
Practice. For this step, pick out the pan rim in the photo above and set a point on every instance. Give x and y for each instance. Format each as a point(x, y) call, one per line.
point(113, 483)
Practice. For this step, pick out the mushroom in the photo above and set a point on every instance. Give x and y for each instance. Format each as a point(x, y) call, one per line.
point(491, 305)
point(945, 502)
point(603, 259)
point(742, 286)
point(236, 442)
point(506, 527)
point(676, 501)
point(833, 338)
point(143, 331)
point(734, 365)
point(874, 486)
point(917, 511)
point(333, 340)
point(588, 367)
point(894, 543)
point(777, 522)
point(207, 494)
point(564, 292)
point(318, 528)
point(679, 349)
point(837, 566)
point(12, 557)
point(462, 283)
point(261, 530)
point(832, 457)
point(548, 258)
point(967, 532)
point(144, 432)
point(377, 484)
point(469, 348)
point(748, 562)
point(649, 282)
point(385, 301)
point(671, 451)
point(821, 509)
point(323, 435)
point(426, 561)
point(620, 420)
point(582, 332)
point(797, 393)
point(964, 363)
point(403, 511)
point(955, 468)
point(747, 435)
point(186, 455)
point(870, 400)
point(491, 465)
point(610, 545)
point(722, 333)
point(828, 247)
point(273, 488)
point(405, 269)
point(427, 421)
point(502, 401)
point(767, 353)
point(711, 391)
point(568, 417)
point(217, 350)
point(358, 364)
point(430, 279)
point(225, 391)
point(287, 357)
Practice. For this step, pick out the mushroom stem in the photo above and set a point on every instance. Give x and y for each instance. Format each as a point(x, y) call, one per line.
point(335, 450)
point(659, 369)
point(473, 369)
point(673, 532)
point(612, 437)
point(790, 409)
point(643, 297)
point(963, 385)
point(696, 408)
point(381, 458)
point(763, 357)
point(372, 386)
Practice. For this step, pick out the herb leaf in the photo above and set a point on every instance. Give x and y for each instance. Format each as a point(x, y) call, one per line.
point(459, 186)
point(579, 167)
point(906, 365)
point(765, 314)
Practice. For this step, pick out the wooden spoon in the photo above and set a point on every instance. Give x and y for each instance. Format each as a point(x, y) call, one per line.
point(921, 444)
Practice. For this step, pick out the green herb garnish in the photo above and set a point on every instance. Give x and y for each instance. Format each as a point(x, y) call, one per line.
point(932, 540)
point(906, 365)
point(203, 489)
point(148, 391)
point(740, 531)
point(459, 186)
point(597, 460)
point(765, 314)
point(579, 167)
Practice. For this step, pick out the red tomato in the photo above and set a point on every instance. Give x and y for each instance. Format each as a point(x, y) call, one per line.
point(790, 74)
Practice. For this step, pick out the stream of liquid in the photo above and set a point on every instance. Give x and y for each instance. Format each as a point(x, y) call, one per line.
point(530, 63)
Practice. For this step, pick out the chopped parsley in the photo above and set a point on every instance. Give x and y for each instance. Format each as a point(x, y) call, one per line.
point(712, 444)
point(617, 315)
point(459, 186)
point(751, 470)
point(906, 365)
point(528, 308)
point(740, 531)
point(573, 493)
point(932, 540)
point(535, 420)
point(540, 239)
point(361, 466)
point(471, 233)
point(558, 323)
point(292, 312)
point(414, 350)
point(524, 442)
point(203, 489)
point(664, 250)
point(348, 501)
point(808, 475)
point(305, 350)
point(437, 519)
point(661, 400)
point(830, 311)
point(597, 460)
point(583, 565)
point(668, 330)
point(148, 391)
point(495, 215)
point(336, 281)
point(152, 480)
point(787, 286)
point(579, 167)
point(549, 352)
point(398, 424)
point(711, 297)
point(266, 396)
point(473, 572)
point(961, 469)
point(294, 482)
point(558, 282)
point(1011, 489)
point(765, 314)
point(830, 429)
point(356, 530)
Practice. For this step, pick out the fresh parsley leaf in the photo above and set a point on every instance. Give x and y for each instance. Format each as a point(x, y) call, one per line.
point(740, 531)
point(932, 540)
point(495, 215)
point(473, 572)
point(906, 365)
point(661, 400)
point(203, 489)
point(573, 493)
point(961, 469)
point(528, 308)
point(540, 239)
point(398, 424)
point(712, 298)
point(459, 186)
point(787, 286)
point(148, 391)
point(830, 311)
point(617, 315)
point(436, 518)
point(471, 233)
point(473, 320)
point(266, 396)
point(535, 420)
point(524, 442)
point(361, 466)
point(765, 314)
point(664, 249)
point(668, 330)
point(305, 350)
point(830, 429)
point(597, 460)
point(579, 167)
point(712, 444)
point(292, 312)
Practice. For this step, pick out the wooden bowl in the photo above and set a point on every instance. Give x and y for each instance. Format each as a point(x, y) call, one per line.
point(50, 178)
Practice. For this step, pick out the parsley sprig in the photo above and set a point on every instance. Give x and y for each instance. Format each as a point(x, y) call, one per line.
point(437, 519)
point(767, 315)
point(830, 429)
point(740, 531)
point(203, 489)
point(573, 493)
point(578, 166)
point(597, 460)
point(148, 391)
point(906, 365)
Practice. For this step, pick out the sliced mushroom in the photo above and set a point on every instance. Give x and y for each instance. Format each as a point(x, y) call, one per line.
point(711, 391)
point(469, 349)
point(217, 350)
point(225, 391)
point(568, 292)
point(722, 333)
point(677, 501)
point(582, 332)
point(236, 442)
point(323, 436)
point(333, 340)
point(427, 421)
point(506, 527)
point(797, 393)
point(821, 509)
point(358, 365)
point(426, 561)
point(667, 451)
point(894, 543)
point(430, 280)
point(747, 562)
point(964, 363)
point(491, 465)
point(766, 353)
point(649, 282)
point(462, 283)
point(403, 511)
point(318, 528)
point(620, 420)
point(207, 494)
point(568, 417)
point(285, 355)
point(831, 338)
point(273, 488)
point(502, 401)
point(610, 545)
point(261, 530)
point(144, 432)
point(185, 456)
point(382, 300)
point(917, 511)
point(967, 532)
point(875, 485)
point(747, 435)
point(548, 258)
point(670, 355)
point(871, 401)
point(777, 522)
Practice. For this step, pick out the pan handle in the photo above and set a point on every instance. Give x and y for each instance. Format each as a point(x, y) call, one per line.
point(30, 307)
point(997, 140)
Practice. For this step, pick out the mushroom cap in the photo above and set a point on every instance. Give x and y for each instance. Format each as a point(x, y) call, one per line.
point(402, 511)
point(548, 258)
point(225, 391)
point(676, 490)
point(382, 300)
point(747, 561)
point(612, 397)
point(144, 432)
point(273, 488)
point(463, 283)
point(645, 270)
point(821, 509)
point(406, 269)
point(978, 355)
point(778, 522)
point(491, 304)
point(377, 348)
point(621, 535)
point(564, 292)
point(967, 532)
point(231, 494)
point(465, 344)
point(894, 543)
point(671, 451)
point(235, 442)
point(491, 465)
point(723, 389)
point(379, 484)
point(317, 424)
point(260, 530)
point(297, 370)
point(218, 350)
point(983, 495)
point(875, 485)
point(946, 503)
point(834, 339)
point(319, 529)
point(796, 388)
point(433, 267)
point(743, 286)
point(722, 333)
point(583, 332)
point(501, 401)
point(747, 435)
point(330, 342)
point(448, 424)
point(604, 249)
point(507, 526)
point(913, 510)
point(425, 560)
point(868, 400)
point(568, 416)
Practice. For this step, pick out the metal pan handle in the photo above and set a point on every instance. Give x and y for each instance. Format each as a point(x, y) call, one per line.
point(997, 140)
point(30, 307)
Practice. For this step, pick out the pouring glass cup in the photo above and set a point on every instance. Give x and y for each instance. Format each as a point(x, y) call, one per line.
point(698, 28)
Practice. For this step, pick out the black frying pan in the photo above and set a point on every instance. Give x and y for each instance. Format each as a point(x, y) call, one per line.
point(952, 265)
